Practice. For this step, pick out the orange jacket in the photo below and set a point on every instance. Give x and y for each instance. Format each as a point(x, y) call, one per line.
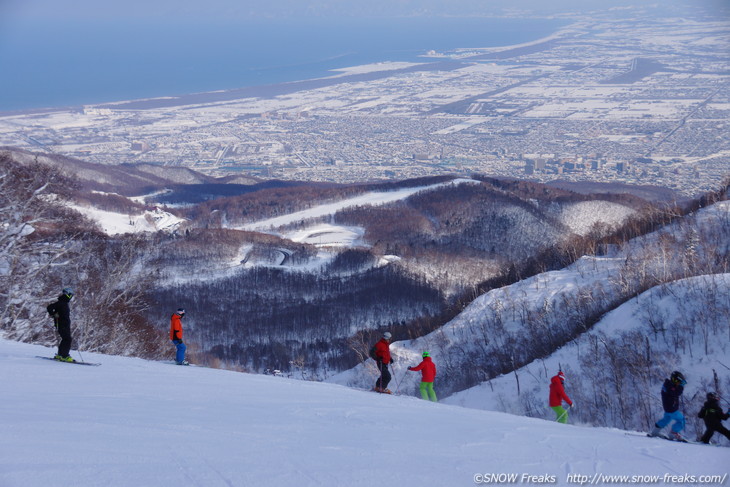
point(175, 327)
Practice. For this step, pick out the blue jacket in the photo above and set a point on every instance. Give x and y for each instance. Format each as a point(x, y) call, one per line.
point(670, 396)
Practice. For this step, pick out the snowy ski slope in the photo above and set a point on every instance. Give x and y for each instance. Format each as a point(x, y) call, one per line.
point(133, 422)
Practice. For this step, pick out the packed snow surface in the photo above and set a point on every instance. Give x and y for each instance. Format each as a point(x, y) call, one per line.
point(114, 223)
point(132, 422)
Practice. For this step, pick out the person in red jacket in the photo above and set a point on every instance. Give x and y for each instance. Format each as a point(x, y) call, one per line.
point(383, 359)
point(557, 396)
point(176, 334)
point(428, 374)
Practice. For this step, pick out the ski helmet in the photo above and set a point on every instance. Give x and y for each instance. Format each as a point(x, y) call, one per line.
point(180, 311)
point(387, 335)
point(713, 396)
point(678, 378)
point(425, 354)
point(68, 292)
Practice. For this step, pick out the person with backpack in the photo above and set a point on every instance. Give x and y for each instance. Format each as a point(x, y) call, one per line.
point(557, 396)
point(381, 354)
point(671, 392)
point(428, 374)
point(176, 334)
point(713, 415)
point(61, 313)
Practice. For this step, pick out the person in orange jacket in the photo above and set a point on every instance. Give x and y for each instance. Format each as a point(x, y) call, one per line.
point(557, 396)
point(428, 374)
point(383, 359)
point(176, 334)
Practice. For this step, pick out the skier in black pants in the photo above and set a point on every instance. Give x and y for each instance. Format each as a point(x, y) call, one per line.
point(62, 319)
point(383, 359)
point(712, 413)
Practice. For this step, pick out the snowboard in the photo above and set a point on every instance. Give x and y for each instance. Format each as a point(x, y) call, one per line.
point(74, 362)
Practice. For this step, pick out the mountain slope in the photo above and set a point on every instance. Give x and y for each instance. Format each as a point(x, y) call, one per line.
point(617, 324)
point(134, 422)
point(124, 179)
point(692, 309)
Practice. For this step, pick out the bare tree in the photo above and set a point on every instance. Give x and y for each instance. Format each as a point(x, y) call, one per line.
point(35, 237)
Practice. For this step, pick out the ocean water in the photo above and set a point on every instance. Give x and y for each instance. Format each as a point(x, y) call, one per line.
point(68, 64)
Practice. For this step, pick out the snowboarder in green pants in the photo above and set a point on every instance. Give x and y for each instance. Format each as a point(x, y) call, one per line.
point(428, 374)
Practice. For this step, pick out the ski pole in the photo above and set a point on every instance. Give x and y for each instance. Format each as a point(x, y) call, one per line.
point(564, 413)
point(83, 334)
point(397, 382)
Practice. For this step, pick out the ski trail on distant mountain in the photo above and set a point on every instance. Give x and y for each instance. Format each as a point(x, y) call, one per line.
point(374, 198)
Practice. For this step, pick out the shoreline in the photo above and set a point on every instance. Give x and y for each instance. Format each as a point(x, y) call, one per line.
point(446, 62)
point(557, 35)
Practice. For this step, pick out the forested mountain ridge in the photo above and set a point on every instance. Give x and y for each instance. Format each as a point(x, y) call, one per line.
point(617, 324)
point(412, 259)
point(352, 260)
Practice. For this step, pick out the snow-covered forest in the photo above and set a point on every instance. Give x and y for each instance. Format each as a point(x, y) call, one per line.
point(504, 282)
point(616, 324)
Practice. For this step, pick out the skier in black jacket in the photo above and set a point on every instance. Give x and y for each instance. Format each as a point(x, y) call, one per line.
point(62, 319)
point(671, 391)
point(712, 413)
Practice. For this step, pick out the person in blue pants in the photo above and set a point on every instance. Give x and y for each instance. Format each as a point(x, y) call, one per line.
point(671, 392)
point(176, 334)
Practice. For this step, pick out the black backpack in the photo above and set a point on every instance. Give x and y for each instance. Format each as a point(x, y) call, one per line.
point(51, 308)
point(371, 353)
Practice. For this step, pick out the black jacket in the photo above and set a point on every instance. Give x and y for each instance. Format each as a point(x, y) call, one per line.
point(670, 396)
point(61, 311)
point(712, 413)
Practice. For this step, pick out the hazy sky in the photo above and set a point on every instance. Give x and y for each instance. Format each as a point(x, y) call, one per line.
point(23, 12)
point(236, 9)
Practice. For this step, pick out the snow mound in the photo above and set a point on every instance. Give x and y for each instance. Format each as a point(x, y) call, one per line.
point(328, 235)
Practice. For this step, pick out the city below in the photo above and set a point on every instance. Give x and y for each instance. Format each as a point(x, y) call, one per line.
point(603, 100)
